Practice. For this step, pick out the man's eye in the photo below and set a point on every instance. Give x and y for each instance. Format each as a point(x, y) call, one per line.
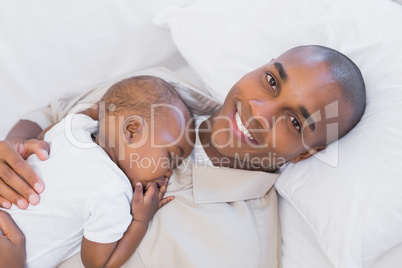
point(271, 82)
point(295, 123)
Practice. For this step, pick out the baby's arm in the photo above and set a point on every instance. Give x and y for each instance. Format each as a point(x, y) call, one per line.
point(143, 207)
point(24, 130)
point(41, 136)
point(91, 112)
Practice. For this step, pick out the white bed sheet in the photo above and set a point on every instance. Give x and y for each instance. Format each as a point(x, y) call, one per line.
point(52, 49)
point(175, 63)
point(392, 259)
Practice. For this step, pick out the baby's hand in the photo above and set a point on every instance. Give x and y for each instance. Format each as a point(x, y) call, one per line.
point(144, 206)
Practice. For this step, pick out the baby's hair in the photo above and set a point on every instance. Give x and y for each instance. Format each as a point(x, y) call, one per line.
point(137, 94)
point(349, 79)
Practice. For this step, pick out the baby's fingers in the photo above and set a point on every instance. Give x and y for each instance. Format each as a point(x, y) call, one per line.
point(162, 189)
point(152, 191)
point(138, 196)
point(165, 200)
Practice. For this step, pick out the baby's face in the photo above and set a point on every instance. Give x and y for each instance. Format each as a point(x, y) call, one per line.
point(164, 144)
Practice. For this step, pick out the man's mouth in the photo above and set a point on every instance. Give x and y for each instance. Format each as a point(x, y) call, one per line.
point(242, 128)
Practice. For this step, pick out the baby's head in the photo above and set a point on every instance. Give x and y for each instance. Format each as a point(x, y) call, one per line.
point(144, 127)
point(292, 107)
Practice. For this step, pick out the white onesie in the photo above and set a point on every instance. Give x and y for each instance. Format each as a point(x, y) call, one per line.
point(86, 194)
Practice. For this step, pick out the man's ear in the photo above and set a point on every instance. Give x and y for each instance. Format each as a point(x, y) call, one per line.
point(307, 154)
point(133, 128)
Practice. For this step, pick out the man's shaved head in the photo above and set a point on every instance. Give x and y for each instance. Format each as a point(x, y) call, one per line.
point(348, 77)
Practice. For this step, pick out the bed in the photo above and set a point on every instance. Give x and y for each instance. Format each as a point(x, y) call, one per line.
point(341, 208)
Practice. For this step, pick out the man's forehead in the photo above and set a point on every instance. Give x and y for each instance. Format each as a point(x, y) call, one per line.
point(303, 73)
point(320, 96)
point(302, 54)
point(312, 86)
point(305, 63)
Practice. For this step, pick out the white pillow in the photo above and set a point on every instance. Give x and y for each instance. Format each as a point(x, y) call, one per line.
point(50, 48)
point(352, 200)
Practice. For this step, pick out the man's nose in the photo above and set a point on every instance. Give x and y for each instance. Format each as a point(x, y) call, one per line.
point(267, 112)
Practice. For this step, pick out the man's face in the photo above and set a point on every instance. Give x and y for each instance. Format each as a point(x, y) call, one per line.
point(279, 111)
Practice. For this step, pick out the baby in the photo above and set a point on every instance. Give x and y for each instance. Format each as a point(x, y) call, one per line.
point(92, 169)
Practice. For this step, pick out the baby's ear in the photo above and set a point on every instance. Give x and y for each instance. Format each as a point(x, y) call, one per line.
point(307, 154)
point(133, 128)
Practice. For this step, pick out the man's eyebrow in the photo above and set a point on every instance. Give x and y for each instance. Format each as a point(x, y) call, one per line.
point(305, 113)
point(281, 71)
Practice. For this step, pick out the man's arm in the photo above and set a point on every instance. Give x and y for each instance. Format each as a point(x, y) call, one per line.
point(12, 243)
point(13, 152)
point(144, 207)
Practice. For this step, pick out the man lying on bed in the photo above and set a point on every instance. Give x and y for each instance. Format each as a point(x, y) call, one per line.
point(225, 213)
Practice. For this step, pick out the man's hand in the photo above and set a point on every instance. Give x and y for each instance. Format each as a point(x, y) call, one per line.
point(144, 206)
point(12, 243)
point(14, 189)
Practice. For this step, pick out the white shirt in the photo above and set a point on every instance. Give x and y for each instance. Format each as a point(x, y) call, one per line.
point(86, 194)
point(198, 155)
